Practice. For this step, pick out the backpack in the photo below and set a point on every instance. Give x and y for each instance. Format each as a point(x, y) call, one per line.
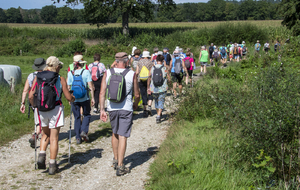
point(223, 51)
point(158, 77)
point(187, 63)
point(135, 61)
point(144, 74)
point(154, 58)
point(211, 49)
point(266, 46)
point(275, 46)
point(235, 50)
point(167, 58)
point(78, 87)
point(116, 86)
point(216, 55)
point(45, 91)
point(178, 65)
point(244, 49)
point(95, 72)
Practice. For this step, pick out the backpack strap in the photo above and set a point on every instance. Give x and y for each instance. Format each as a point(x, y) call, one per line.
point(112, 71)
point(124, 73)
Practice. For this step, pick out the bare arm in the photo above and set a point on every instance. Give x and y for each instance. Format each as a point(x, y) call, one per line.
point(91, 86)
point(148, 82)
point(25, 91)
point(31, 92)
point(103, 115)
point(136, 92)
point(200, 56)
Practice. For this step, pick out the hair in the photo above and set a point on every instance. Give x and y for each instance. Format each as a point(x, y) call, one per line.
point(160, 58)
point(155, 49)
point(188, 49)
point(124, 60)
point(78, 53)
point(97, 57)
point(223, 44)
point(137, 52)
point(203, 47)
point(145, 49)
point(188, 54)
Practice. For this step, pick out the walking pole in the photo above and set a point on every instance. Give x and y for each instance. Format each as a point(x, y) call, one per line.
point(35, 136)
point(69, 160)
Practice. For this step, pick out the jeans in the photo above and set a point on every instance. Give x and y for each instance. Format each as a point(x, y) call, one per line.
point(84, 126)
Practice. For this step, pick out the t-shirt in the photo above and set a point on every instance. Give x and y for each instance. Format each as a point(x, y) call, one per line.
point(191, 61)
point(257, 46)
point(127, 103)
point(220, 50)
point(144, 62)
point(86, 77)
point(101, 68)
point(204, 56)
point(266, 45)
point(162, 88)
point(31, 77)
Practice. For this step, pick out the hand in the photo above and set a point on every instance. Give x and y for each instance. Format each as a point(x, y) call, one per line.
point(93, 101)
point(149, 91)
point(135, 106)
point(103, 115)
point(72, 99)
point(22, 108)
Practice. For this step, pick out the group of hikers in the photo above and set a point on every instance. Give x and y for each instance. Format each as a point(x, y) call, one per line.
point(121, 85)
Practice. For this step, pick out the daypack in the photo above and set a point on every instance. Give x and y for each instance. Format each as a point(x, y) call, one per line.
point(116, 86)
point(158, 77)
point(244, 49)
point(45, 91)
point(135, 62)
point(223, 51)
point(144, 74)
point(216, 55)
point(167, 57)
point(235, 50)
point(178, 65)
point(154, 59)
point(211, 49)
point(78, 87)
point(266, 46)
point(187, 63)
point(95, 72)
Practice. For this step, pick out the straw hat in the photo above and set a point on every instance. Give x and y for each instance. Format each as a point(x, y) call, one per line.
point(53, 61)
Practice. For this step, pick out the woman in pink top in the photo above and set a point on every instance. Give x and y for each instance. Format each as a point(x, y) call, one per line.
point(190, 69)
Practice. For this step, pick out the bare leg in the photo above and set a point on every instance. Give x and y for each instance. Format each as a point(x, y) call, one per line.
point(204, 69)
point(174, 88)
point(115, 145)
point(121, 149)
point(54, 133)
point(45, 139)
point(180, 88)
point(159, 111)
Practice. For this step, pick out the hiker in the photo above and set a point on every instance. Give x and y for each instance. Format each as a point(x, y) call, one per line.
point(257, 46)
point(228, 48)
point(154, 55)
point(142, 72)
point(192, 56)
point(177, 72)
point(168, 59)
point(71, 66)
point(79, 80)
point(244, 51)
point(39, 65)
point(53, 119)
point(203, 59)
point(189, 64)
point(135, 59)
point(236, 52)
point(223, 53)
point(211, 50)
point(276, 46)
point(132, 54)
point(266, 47)
point(215, 55)
point(158, 85)
point(97, 70)
point(121, 112)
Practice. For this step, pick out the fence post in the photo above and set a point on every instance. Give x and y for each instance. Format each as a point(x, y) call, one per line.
point(85, 51)
point(21, 52)
point(12, 87)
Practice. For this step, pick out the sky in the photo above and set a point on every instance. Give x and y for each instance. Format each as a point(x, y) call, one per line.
point(38, 4)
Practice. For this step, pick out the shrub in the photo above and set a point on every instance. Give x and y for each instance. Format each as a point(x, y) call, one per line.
point(70, 48)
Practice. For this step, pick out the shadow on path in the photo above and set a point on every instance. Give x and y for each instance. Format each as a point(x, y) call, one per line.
point(138, 158)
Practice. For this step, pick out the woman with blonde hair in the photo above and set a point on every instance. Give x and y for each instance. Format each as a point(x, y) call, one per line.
point(50, 120)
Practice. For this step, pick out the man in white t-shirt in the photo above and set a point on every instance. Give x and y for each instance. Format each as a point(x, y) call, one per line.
point(121, 113)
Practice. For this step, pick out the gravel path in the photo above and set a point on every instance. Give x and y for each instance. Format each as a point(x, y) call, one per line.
point(91, 162)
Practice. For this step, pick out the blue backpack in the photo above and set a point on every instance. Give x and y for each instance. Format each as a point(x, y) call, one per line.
point(223, 51)
point(79, 90)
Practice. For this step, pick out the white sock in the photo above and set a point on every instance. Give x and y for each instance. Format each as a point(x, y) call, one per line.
point(42, 152)
point(52, 161)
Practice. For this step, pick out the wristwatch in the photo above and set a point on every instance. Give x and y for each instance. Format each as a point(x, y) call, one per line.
point(22, 103)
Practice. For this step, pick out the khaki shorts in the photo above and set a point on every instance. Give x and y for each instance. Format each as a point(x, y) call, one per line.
point(53, 118)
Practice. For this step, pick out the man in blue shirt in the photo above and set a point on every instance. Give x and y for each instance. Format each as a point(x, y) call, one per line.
point(81, 128)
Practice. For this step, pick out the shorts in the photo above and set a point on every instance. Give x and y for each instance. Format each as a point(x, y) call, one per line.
point(235, 56)
point(224, 56)
point(53, 118)
point(121, 122)
point(177, 77)
point(203, 63)
point(190, 72)
point(159, 100)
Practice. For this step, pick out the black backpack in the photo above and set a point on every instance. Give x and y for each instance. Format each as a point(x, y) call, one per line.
point(158, 77)
point(116, 86)
point(187, 63)
point(45, 91)
point(211, 49)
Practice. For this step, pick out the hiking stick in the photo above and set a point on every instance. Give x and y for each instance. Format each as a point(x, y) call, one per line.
point(35, 146)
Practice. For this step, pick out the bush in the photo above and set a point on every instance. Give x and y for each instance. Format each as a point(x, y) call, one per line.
point(70, 48)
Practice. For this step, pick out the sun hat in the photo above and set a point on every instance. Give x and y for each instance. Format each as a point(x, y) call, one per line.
point(257, 41)
point(243, 42)
point(53, 61)
point(78, 58)
point(133, 49)
point(39, 64)
point(159, 53)
point(146, 54)
point(121, 55)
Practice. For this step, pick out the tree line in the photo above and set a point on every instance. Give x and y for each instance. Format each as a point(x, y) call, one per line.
point(213, 10)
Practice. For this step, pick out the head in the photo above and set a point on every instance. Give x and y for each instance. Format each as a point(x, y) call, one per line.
point(188, 54)
point(202, 47)
point(267, 41)
point(137, 52)
point(155, 50)
point(223, 45)
point(159, 53)
point(78, 61)
point(121, 59)
point(97, 57)
point(257, 41)
point(146, 55)
point(165, 50)
point(145, 49)
point(160, 59)
point(53, 64)
point(243, 42)
point(176, 53)
point(188, 49)
point(39, 64)
point(77, 53)
point(212, 44)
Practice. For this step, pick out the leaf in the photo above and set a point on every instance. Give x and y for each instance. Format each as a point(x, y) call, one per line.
point(271, 169)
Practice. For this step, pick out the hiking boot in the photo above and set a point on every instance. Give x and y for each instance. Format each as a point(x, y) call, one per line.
point(84, 136)
point(145, 113)
point(158, 120)
point(115, 164)
point(32, 141)
point(78, 141)
point(53, 168)
point(41, 161)
point(122, 170)
point(150, 113)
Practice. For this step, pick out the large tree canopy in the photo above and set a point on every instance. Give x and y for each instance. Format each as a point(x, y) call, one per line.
point(290, 10)
point(48, 14)
point(3, 17)
point(99, 11)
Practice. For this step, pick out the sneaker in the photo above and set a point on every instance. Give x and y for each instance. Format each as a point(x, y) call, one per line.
point(122, 170)
point(96, 111)
point(150, 112)
point(32, 141)
point(78, 141)
point(84, 136)
point(145, 113)
point(158, 120)
point(115, 164)
point(41, 161)
point(53, 168)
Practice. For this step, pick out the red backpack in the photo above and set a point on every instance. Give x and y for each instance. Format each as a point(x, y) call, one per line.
point(95, 72)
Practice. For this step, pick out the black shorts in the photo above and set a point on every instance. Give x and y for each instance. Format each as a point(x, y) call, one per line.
point(210, 55)
point(177, 77)
point(190, 72)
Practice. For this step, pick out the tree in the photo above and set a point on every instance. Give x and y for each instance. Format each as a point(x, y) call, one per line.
point(14, 15)
point(99, 11)
point(65, 15)
point(3, 18)
point(290, 9)
point(48, 14)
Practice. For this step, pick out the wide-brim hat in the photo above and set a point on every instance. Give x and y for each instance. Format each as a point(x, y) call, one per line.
point(78, 59)
point(146, 54)
point(53, 61)
point(39, 64)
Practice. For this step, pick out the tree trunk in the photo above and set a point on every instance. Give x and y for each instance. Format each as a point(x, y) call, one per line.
point(125, 27)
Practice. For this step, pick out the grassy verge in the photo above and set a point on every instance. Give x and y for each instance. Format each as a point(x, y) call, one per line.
point(196, 156)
